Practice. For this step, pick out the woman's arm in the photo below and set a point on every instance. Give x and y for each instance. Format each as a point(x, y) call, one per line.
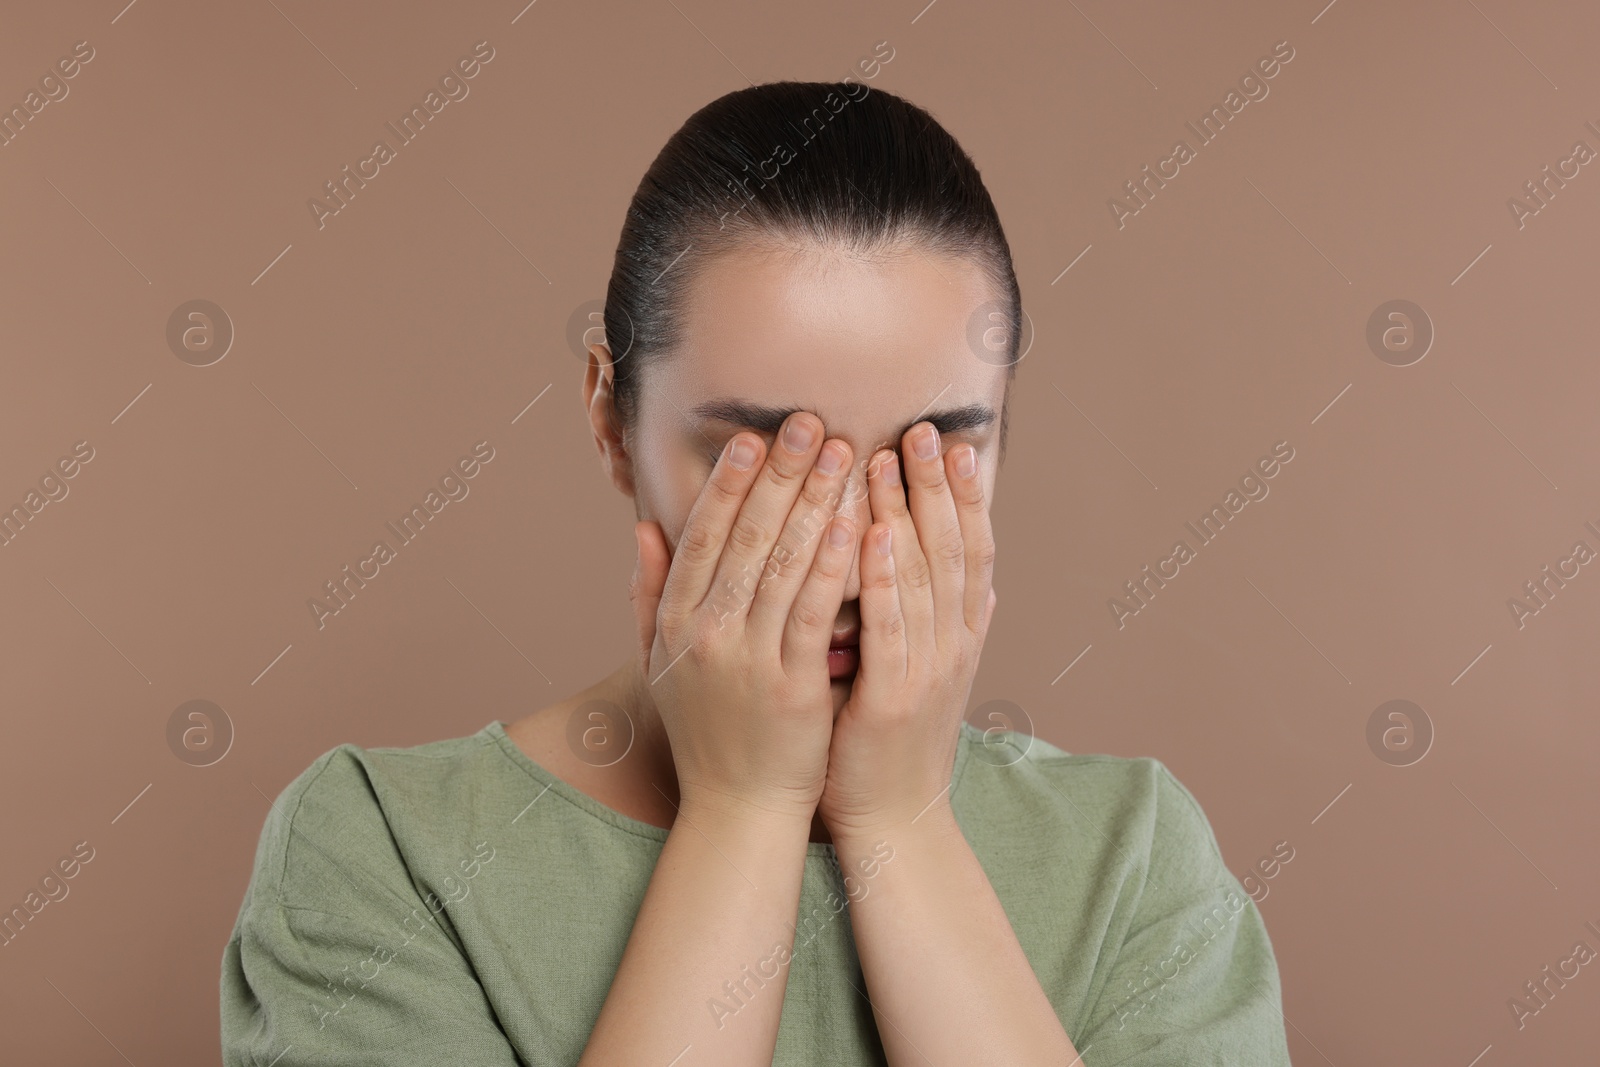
point(735, 651)
point(948, 979)
point(705, 969)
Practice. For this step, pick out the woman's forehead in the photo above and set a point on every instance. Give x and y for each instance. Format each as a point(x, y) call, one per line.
point(859, 341)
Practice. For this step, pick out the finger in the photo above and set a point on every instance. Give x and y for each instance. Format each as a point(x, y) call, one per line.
point(649, 578)
point(808, 630)
point(706, 529)
point(790, 562)
point(766, 506)
point(977, 535)
point(912, 575)
point(883, 625)
point(933, 511)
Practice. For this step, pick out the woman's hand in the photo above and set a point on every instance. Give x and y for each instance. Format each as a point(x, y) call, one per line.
point(926, 602)
point(734, 628)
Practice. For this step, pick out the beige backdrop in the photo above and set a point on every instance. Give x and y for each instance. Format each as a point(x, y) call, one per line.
point(1443, 850)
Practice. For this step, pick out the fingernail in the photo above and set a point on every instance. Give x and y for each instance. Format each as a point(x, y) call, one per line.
point(741, 453)
point(966, 461)
point(798, 435)
point(889, 470)
point(883, 541)
point(831, 460)
point(839, 533)
point(926, 443)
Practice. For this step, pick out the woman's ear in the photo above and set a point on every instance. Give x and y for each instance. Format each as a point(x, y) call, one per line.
point(600, 402)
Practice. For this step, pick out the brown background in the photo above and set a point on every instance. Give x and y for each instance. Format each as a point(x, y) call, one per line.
point(1227, 316)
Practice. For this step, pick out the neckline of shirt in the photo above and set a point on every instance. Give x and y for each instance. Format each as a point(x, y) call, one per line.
point(496, 730)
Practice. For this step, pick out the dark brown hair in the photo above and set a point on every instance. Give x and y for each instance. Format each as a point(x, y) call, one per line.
point(833, 162)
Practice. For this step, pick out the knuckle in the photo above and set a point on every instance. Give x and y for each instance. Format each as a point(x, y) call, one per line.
point(916, 573)
point(951, 551)
point(806, 618)
point(782, 469)
point(983, 553)
point(724, 488)
point(697, 539)
point(818, 496)
point(894, 627)
point(747, 533)
point(670, 626)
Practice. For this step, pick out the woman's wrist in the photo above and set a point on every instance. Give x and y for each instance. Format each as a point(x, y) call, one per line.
point(932, 824)
point(746, 816)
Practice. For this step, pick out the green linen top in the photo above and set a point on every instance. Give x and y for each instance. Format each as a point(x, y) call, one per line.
point(456, 903)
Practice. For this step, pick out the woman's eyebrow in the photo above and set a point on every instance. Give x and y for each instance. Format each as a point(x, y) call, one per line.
point(763, 418)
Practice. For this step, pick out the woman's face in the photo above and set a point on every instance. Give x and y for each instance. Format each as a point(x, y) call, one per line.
point(871, 346)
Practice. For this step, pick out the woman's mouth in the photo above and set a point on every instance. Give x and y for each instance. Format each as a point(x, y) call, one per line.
point(844, 657)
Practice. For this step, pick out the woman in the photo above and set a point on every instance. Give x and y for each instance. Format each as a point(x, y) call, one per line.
point(770, 837)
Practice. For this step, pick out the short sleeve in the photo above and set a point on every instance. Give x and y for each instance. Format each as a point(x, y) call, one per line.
point(1194, 981)
point(337, 958)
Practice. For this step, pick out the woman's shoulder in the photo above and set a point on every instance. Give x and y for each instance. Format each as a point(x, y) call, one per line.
point(1014, 783)
point(360, 808)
